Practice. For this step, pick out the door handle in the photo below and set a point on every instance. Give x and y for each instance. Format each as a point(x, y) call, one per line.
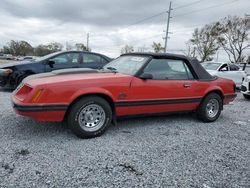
point(187, 85)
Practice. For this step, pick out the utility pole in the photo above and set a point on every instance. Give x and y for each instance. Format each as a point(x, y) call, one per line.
point(87, 41)
point(167, 30)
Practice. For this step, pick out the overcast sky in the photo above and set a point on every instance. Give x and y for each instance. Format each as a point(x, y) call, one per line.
point(110, 22)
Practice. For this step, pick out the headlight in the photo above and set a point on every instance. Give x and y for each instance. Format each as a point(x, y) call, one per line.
point(247, 79)
point(6, 72)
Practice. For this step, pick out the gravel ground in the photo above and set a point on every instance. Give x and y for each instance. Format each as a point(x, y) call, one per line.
point(172, 151)
point(6, 61)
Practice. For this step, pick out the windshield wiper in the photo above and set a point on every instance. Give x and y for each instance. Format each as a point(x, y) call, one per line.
point(112, 69)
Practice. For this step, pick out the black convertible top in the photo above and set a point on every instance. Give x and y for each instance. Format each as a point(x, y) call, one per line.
point(192, 63)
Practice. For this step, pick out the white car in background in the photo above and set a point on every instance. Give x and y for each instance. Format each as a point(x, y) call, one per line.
point(225, 70)
point(245, 87)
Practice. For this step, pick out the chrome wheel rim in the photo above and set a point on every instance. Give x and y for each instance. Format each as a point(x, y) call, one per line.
point(212, 108)
point(91, 118)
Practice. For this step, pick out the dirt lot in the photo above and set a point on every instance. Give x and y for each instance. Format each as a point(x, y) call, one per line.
point(171, 151)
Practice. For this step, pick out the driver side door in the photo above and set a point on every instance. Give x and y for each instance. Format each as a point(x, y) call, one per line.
point(172, 88)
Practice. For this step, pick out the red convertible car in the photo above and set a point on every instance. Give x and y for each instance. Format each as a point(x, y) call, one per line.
point(133, 84)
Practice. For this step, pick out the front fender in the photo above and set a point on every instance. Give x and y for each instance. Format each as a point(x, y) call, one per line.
point(91, 90)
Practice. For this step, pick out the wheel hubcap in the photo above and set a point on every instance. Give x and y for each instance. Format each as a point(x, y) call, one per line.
point(212, 108)
point(91, 117)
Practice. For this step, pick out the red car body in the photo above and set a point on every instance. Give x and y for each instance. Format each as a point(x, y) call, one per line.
point(48, 97)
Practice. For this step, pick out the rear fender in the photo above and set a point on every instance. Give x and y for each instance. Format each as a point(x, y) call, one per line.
point(215, 89)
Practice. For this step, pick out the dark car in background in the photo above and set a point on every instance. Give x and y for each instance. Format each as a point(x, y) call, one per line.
point(58, 60)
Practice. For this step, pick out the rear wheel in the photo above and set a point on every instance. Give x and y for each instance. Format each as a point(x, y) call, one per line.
point(246, 96)
point(210, 108)
point(90, 117)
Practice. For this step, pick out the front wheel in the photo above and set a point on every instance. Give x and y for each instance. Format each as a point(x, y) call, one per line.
point(90, 117)
point(210, 108)
point(246, 96)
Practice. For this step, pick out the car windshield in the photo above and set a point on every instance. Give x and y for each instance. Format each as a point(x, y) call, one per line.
point(128, 64)
point(210, 66)
point(47, 56)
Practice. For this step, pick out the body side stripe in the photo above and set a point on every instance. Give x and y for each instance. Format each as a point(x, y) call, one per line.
point(156, 102)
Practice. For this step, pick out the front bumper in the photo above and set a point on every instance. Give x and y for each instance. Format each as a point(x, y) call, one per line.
point(245, 88)
point(40, 112)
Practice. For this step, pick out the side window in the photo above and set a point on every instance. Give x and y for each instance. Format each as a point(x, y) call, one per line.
point(190, 75)
point(224, 68)
point(91, 58)
point(234, 67)
point(67, 58)
point(104, 60)
point(167, 69)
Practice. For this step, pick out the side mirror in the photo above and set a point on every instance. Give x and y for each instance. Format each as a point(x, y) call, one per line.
point(146, 76)
point(51, 63)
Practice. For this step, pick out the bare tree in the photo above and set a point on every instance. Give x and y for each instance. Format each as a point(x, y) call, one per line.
point(190, 50)
point(204, 41)
point(127, 49)
point(233, 36)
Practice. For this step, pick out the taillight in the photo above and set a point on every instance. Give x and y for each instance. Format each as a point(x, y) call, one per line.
point(234, 87)
point(22, 92)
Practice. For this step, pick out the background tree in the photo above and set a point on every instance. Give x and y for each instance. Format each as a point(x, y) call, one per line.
point(190, 50)
point(7, 50)
point(55, 47)
point(233, 36)
point(205, 42)
point(157, 47)
point(25, 48)
point(248, 59)
point(41, 50)
point(17, 48)
point(81, 46)
point(127, 49)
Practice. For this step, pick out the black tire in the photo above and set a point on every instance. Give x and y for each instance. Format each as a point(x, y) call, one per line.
point(246, 96)
point(202, 112)
point(78, 110)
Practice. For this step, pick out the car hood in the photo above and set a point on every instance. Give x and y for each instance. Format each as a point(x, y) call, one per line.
point(17, 63)
point(74, 76)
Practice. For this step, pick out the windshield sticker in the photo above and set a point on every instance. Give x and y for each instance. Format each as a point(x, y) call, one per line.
point(137, 59)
